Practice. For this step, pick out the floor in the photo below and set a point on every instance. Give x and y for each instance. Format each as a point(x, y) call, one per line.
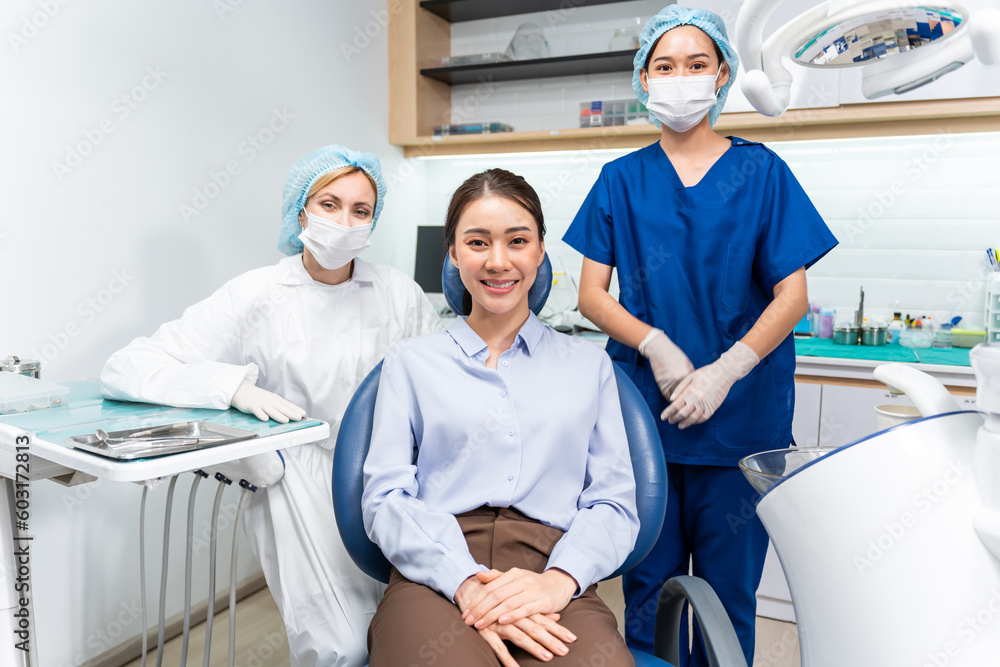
point(261, 642)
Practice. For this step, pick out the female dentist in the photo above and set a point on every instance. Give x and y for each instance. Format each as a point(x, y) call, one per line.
point(711, 237)
point(281, 342)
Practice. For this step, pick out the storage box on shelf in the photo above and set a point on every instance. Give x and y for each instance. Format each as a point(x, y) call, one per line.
point(419, 33)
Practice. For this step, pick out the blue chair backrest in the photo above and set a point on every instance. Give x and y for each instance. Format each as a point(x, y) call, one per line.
point(354, 438)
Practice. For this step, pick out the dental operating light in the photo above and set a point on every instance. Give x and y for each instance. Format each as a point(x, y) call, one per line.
point(901, 44)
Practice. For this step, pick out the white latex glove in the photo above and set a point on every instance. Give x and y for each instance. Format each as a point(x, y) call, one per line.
point(668, 362)
point(251, 399)
point(700, 394)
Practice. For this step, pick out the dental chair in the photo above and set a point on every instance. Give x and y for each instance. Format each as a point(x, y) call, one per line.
point(721, 645)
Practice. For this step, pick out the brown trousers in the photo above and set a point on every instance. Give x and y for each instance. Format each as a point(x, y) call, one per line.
point(415, 626)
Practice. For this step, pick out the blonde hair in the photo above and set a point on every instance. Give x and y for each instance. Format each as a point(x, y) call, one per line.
point(331, 176)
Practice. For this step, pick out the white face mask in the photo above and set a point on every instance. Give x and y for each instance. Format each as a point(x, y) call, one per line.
point(332, 244)
point(680, 102)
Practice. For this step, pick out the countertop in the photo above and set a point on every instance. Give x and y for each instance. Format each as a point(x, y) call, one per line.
point(818, 357)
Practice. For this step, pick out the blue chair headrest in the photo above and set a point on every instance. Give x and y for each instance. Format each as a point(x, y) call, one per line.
point(454, 289)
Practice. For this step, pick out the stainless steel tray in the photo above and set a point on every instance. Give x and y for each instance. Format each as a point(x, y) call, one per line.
point(206, 434)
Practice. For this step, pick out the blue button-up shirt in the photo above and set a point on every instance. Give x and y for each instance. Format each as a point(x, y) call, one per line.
point(542, 433)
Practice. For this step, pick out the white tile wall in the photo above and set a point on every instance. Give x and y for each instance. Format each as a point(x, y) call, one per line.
point(920, 253)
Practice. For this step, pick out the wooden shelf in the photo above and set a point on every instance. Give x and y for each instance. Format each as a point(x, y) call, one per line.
point(417, 103)
point(883, 119)
point(512, 70)
point(456, 11)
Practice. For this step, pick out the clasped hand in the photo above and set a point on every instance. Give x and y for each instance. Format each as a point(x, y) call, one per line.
point(520, 606)
point(701, 392)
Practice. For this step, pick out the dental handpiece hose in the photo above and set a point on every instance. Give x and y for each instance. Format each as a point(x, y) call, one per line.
point(187, 565)
point(213, 544)
point(142, 570)
point(244, 497)
point(163, 571)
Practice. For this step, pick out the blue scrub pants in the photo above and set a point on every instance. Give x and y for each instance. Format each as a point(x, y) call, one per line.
point(711, 521)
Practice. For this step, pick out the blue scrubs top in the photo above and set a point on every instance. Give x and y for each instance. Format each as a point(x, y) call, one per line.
point(701, 263)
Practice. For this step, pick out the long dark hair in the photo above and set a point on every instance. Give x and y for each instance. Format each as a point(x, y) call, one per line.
point(491, 183)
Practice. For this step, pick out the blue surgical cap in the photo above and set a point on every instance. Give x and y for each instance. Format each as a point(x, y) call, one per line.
point(306, 171)
point(671, 17)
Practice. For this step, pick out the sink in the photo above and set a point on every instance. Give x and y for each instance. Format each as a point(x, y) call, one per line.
point(766, 469)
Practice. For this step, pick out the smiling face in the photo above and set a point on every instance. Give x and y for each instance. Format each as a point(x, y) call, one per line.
point(497, 248)
point(348, 200)
point(685, 51)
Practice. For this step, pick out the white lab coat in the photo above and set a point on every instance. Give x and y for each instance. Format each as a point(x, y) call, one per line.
point(311, 344)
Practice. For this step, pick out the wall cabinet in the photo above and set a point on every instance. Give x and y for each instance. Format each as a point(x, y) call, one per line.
point(418, 36)
point(805, 419)
point(848, 413)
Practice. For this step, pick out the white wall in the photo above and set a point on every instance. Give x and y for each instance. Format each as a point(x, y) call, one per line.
point(154, 98)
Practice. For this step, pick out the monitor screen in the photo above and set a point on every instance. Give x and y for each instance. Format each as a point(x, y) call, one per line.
point(431, 251)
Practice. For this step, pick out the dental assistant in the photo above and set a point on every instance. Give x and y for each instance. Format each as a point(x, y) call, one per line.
point(286, 341)
point(711, 237)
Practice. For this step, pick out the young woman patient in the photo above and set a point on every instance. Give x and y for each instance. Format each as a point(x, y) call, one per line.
point(498, 483)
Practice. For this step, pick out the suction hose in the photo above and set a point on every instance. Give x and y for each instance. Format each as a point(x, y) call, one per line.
point(244, 497)
point(163, 572)
point(198, 475)
point(142, 570)
point(213, 541)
